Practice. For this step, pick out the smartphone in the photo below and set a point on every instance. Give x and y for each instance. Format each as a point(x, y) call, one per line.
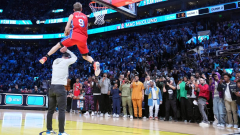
point(123, 81)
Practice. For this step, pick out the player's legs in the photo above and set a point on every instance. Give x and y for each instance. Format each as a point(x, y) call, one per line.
point(52, 105)
point(83, 48)
point(61, 95)
point(67, 41)
point(52, 51)
point(88, 58)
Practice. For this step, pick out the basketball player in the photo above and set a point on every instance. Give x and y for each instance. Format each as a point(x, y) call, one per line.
point(77, 35)
point(57, 92)
point(77, 87)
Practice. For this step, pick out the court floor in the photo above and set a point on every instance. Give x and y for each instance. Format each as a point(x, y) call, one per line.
point(25, 122)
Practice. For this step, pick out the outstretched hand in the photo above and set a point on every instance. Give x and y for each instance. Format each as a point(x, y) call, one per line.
point(63, 49)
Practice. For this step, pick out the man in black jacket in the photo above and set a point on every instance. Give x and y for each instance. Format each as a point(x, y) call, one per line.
point(96, 94)
point(229, 88)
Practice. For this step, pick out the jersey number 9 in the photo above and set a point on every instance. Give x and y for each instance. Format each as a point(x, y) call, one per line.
point(81, 22)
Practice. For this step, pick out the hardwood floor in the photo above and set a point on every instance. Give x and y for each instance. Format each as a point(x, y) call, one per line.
point(25, 122)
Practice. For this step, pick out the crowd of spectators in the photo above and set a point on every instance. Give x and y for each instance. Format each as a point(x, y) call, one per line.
point(43, 10)
point(156, 52)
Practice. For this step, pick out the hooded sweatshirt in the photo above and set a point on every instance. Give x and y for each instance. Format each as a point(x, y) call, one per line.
point(213, 87)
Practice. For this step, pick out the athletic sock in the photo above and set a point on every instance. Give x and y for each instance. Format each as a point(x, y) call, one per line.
point(47, 56)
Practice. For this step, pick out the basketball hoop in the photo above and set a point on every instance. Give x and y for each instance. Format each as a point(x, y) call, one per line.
point(99, 12)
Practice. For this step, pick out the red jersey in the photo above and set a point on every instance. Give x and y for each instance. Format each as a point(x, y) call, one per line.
point(80, 26)
point(77, 89)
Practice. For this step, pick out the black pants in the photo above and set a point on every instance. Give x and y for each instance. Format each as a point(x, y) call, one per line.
point(146, 107)
point(183, 105)
point(96, 99)
point(57, 96)
point(69, 104)
point(104, 105)
point(193, 110)
point(162, 108)
point(172, 104)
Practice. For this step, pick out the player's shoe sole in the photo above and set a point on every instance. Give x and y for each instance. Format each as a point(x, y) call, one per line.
point(43, 60)
point(96, 67)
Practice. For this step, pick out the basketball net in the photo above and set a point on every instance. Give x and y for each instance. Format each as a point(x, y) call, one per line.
point(99, 12)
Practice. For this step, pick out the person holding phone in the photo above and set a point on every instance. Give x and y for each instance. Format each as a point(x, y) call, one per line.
point(116, 100)
point(126, 98)
point(154, 99)
point(105, 85)
point(96, 94)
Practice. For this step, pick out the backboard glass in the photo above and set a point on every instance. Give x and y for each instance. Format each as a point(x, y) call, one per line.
point(126, 7)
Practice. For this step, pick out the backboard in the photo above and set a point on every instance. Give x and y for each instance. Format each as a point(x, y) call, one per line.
point(126, 7)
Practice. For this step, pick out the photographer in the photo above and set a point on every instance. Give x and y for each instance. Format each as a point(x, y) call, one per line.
point(170, 89)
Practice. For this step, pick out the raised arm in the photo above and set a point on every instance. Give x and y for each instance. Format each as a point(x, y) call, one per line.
point(73, 58)
point(68, 25)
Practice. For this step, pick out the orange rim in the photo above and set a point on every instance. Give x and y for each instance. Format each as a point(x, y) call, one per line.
point(95, 7)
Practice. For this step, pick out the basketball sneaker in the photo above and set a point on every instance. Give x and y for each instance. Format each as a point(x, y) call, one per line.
point(96, 67)
point(50, 132)
point(43, 60)
point(63, 133)
point(86, 113)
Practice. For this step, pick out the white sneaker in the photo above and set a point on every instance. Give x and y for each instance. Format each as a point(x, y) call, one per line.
point(101, 115)
point(114, 115)
point(63, 134)
point(218, 125)
point(125, 116)
point(92, 114)
point(96, 67)
point(131, 117)
point(86, 113)
point(117, 116)
point(235, 126)
point(229, 126)
point(222, 125)
point(204, 124)
point(107, 115)
point(144, 117)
